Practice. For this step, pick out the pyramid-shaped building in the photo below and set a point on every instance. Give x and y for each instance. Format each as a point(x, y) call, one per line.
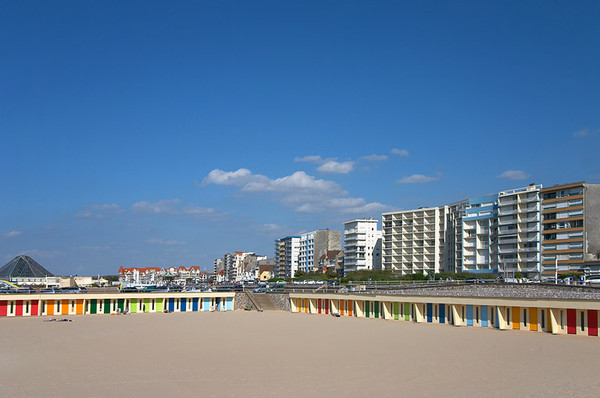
point(24, 269)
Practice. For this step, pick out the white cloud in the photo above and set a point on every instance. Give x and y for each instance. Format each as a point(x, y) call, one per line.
point(514, 175)
point(297, 185)
point(311, 159)
point(99, 211)
point(302, 192)
point(328, 165)
point(336, 167)
point(375, 158)
point(399, 152)
point(239, 177)
point(345, 206)
point(584, 133)
point(169, 207)
point(418, 179)
point(166, 242)
point(11, 234)
point(165, 206)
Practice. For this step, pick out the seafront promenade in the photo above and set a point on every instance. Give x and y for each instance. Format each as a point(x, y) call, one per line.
point(533, 307)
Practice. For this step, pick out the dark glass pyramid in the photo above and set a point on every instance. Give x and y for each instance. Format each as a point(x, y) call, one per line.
point(23, 267)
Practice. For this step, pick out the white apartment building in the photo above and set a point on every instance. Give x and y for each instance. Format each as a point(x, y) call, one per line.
point(287, 253)
point(362, 245)
point(519, 231)
point(413, 240)
point(479, 236)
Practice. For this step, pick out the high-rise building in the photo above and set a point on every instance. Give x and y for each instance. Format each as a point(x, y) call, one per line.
point(479, 235)
point(571, 227)
point(453, 236)
point(519, 231)
point(287, 252)
point(362, 246)
point(315, 244)
point(413, 240)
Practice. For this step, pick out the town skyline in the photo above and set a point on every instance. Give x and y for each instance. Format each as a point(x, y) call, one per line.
point(142, 135)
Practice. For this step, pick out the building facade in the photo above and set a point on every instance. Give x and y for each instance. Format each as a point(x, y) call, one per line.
point(479, 235)
point(287, 253)
point(413, 240)
point(570, 228)
point(519, 232)
point(453, 244)
point(315, 244)
point(362, 245)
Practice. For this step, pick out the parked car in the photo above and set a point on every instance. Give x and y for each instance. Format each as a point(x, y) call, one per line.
point(69, 290)
point(49, 290)
point(128, 290)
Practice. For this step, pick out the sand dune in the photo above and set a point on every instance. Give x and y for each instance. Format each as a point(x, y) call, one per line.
point(284, 354)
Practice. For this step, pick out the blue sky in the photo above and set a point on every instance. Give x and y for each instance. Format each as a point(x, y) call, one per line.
point(152, 133)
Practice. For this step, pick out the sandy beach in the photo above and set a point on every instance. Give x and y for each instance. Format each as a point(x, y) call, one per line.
point(283, 354)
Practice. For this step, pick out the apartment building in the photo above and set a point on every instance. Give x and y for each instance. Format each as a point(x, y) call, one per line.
point(571, 227)
point(315, 244)
point(479, 235)
point(362, 245)
point(413, 240)
point(287, 253)
point(453, 244)
point(519, 231)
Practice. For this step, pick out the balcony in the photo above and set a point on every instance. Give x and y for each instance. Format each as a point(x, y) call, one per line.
point(507, 211)
point(528, 198)
point(535, 228)
point(528, 218)
point(510, 221)
point(507, 231)
point(507, 201)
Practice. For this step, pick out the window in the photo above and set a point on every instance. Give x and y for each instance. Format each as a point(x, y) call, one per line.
point(525, 317)
point(576, 191)
point(582, 321)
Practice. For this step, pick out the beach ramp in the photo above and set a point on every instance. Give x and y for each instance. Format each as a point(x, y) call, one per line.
point(262, 301)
